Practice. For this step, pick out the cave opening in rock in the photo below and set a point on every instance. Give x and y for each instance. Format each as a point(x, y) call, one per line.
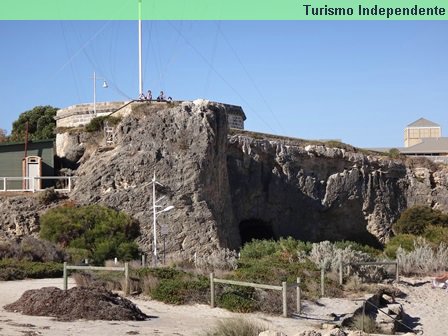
point(255, 229)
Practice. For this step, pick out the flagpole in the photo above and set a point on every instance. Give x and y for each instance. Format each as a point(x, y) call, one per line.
point(140, 77)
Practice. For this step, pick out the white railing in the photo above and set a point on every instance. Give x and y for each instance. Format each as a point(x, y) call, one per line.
point(33, 184)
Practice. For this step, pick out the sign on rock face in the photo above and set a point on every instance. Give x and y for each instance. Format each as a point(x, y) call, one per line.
point(164, 229)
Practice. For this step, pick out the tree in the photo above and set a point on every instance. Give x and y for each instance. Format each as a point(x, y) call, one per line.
point(101, 232)
point(3, 135)
point(41, 124)
point(394, 153)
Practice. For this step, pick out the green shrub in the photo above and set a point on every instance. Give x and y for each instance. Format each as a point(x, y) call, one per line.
point(357, 247)
point(103, 232)
point(11, 269)
point(174, 286)
point(271, 262)
point(394, 153)
point(77, 255)
point(436, 234)
point(179, 291)
point(170, 291)
point(238, 299)
point(415, 220)
point(405, 241)
point(258, 249)
point(12, 273)
point(235, 327)
point(97, 123)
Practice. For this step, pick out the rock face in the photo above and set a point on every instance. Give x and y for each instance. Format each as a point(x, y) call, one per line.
point(19, 216)
point(230, 188)
point(185, 146)
point(313, 192)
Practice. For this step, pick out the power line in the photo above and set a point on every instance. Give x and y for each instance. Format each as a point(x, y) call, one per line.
point(220, 76)
point(251, 79)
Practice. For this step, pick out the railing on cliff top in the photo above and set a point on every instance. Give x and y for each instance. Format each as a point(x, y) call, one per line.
point(33, 184)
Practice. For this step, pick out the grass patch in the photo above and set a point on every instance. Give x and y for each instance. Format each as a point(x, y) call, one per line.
point(364, 323)
point(235, 327)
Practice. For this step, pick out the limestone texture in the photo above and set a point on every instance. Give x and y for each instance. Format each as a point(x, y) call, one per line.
point(230, 186)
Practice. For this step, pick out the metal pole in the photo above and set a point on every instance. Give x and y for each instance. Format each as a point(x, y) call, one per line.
point(164, 251)
point(143, 260)
point(140, 76)
point(94, 94)
point(284, 297)
point(212, 291)
point(65, 282)
point(154, 218)
point(299, 306)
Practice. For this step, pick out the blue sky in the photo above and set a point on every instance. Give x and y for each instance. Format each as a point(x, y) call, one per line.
point(358, 81)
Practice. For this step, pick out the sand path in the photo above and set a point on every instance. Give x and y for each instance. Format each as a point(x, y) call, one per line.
point(187, 320)
point(426, 307)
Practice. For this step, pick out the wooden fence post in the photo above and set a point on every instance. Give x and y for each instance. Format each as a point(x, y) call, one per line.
point(340, 270)
point(126, 279)
point(363, 315)
point(212, 291)
point(284, 297)
point(322, 281)
point(299, 305)
point(143, 260)
point(65, 283)
point(397, 276)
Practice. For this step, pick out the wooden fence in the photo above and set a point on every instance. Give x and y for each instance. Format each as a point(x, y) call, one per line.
point(367, 263)
point(124, 269)
point(284, 287)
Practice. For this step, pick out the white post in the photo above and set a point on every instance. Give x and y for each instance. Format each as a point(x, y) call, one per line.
point(154, 218)
point(94, 94)
point(140, 76)
point(69, 183)
point(64, 274)
point(298, 298)
point(4, 184)
point(284, 298)
point(212, 291)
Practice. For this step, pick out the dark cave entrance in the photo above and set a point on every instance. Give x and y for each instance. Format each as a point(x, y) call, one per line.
point(255, 229)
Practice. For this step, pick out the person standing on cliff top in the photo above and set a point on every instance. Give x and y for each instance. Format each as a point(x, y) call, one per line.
point(149, 95)
point(161, 96)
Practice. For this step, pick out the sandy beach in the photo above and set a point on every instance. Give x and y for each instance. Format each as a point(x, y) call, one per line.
point(425, 306)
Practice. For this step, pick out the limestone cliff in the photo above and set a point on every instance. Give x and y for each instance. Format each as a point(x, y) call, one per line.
point(186, 148)
point(229, 188)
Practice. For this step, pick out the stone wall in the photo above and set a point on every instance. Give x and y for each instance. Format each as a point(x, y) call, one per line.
point(80, 115)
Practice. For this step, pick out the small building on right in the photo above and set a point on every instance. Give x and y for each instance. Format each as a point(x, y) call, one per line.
point(421, 129)
point(424, 138)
